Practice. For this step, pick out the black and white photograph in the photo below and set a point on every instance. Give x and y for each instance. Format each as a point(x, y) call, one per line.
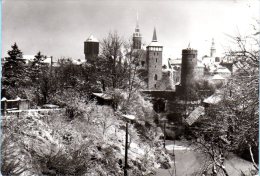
point(130, 87)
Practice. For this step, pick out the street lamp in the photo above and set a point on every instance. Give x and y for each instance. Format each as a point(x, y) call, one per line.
point(164, 134)
point(128, 117)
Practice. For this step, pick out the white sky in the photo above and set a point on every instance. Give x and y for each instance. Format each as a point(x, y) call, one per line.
point(60, 27)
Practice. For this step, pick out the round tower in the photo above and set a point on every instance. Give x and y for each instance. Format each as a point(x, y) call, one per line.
point(91, 48)
point(189, 62)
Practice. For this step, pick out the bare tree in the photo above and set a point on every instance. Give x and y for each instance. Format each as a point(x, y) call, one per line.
point(232, 125)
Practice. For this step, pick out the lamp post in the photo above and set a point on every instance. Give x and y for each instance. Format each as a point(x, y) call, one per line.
point(164, 134)
point(127, 117)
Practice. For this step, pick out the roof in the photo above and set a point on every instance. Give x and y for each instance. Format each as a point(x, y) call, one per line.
point(31, 58)
point(77, 62)
point(222, 69)
point(51, 106)
point(154, 35)
point(103, 96)
point(28, 57)
point(166, 70)
point(217, 77)
point(130, 117)
point(48, 60)
point(91, 38)
point(195, 114)
point(199, 64)
point(213, 99)
point(175, 61)
point(154, 43)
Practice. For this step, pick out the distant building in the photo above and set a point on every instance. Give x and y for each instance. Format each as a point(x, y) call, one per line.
point(137, 37)
point(208, 61)
point(91, 49)
point(175, 66)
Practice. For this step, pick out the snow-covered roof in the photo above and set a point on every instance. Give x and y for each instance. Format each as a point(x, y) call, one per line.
point(213, 99)
point(77, 62)
point(28, 57)
point(166, 70)
point(154, 43)
point(222, 69)
point(217, 77)
point(175, 61)
point(195, 114)
point(199, 64)
point(130, 117)
point(103, 96)
point(48, 60)
point(91, 38)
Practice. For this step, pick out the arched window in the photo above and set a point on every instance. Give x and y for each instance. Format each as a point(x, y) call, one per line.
point(155, 77)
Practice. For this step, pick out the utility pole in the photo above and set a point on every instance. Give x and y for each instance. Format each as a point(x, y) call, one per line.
point(164, 130)
point(128, 117)
point(126, 146)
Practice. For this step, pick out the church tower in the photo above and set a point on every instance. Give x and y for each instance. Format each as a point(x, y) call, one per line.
point(154, 61)
point(137, 37)
point(212, 49)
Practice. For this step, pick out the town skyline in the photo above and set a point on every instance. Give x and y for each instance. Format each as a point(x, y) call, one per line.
point(60, 28)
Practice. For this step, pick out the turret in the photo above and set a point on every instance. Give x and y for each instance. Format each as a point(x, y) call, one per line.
point(189, 62)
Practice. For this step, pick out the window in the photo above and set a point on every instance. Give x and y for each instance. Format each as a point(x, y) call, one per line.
point(154, 54)
point(156, 59)
point(143, 62)
point(155, 86)
point(155, 77)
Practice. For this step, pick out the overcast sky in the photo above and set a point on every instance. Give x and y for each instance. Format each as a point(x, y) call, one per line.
point(60, 27)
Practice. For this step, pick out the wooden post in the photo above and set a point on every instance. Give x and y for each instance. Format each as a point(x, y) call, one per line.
point(5, 106)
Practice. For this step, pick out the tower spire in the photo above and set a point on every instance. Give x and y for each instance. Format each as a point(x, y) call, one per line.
point(213, 43)
point(212, 49)
point(137, 22)
point(137, 37)
point(154, 35)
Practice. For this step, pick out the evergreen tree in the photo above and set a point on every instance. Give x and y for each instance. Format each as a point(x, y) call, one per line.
point(14, 70)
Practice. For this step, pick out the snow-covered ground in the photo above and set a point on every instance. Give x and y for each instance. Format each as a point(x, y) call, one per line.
point(188, 161)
